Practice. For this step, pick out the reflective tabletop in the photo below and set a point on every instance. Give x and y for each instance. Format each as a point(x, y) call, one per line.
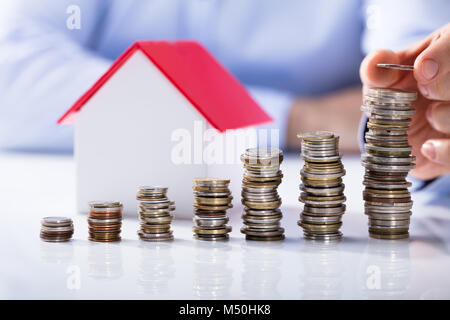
point(34, 186)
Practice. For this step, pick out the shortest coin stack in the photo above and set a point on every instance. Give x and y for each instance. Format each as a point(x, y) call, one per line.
point(212, 199)
point(56, 229)
point(322, 187)
point(105, 221)
point(155, 211)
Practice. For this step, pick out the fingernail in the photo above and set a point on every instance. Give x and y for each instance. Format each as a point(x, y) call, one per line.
point(423, 90)
point(429, 150)
point(430, 69)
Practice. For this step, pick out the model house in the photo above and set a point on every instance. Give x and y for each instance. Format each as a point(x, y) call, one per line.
point(139, 123)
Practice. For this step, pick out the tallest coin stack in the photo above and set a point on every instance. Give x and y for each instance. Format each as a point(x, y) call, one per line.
point(387, 162)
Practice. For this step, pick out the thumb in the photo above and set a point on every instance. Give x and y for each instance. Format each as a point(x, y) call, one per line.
point(372, 76)
point(437, 150)
point(432, 67)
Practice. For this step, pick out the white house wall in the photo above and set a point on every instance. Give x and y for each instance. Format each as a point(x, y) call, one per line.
point(123, 139)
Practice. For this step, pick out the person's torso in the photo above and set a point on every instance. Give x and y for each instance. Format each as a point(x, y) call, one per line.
point(303, 47)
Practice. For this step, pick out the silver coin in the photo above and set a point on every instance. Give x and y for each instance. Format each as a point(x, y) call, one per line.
point(323, 146)
point(389, 216)
point(262, 221)
point(323, 237)
point(324, 211)
point(271, 212)
point(59, 239)
point(374, 159)
point(388, 149)
point(387, 186)
point(388, 223)
point(155, 235)
point(57, 229)
point(261, 227)
point(320, 219)
point(319, 203)
point(210, 222)
point(388, 168)
point(395, 66)
point(155, 189)
point(263, 174)
point(104, 221)
point(221, 237)
point(392, 94)
point(56, 221)
point(159, 220)
point(387, 112)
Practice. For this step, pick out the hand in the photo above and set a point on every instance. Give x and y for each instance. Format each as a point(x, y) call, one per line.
point(429, 133)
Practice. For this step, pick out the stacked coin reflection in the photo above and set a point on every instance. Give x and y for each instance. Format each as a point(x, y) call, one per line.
point(105, 221)
point(212, 199)
point(262, 176)
point(322, 187)
point(387, 162)
point(155, 212)
point(56, 229)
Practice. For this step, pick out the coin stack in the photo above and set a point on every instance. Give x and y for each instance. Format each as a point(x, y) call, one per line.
point(56, 229)
point(155, 212)
point(212, 199)
point(322, 187)
point(262, 176)
point(105, 221)
point(387, 162)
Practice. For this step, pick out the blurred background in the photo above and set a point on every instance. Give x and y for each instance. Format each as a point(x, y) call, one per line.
point(299, 60)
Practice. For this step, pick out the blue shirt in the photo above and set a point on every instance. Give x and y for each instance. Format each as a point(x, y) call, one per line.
point(279, 50)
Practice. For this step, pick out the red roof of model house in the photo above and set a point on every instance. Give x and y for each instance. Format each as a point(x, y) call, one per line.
point(210, 88)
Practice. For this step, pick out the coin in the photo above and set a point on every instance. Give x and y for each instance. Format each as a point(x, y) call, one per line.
point(208, 237)
point(56, 229)
point(260, 198)
point(211, 181)
point(316, 135)
point(105, 221)
point(212, 198)
point(395, 66)
point(387, 161)
point(259, 238)
point(323, 190)
point(155, 213)
point(216, 230)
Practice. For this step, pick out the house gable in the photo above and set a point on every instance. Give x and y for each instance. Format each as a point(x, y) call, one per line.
point(123, 136)
point(210, 88)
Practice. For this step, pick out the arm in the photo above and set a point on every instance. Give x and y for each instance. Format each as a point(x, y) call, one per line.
point(334, 111)
point(44, 67)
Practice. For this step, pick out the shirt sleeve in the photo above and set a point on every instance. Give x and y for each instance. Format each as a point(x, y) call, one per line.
point(277, 104)
point(45, 66)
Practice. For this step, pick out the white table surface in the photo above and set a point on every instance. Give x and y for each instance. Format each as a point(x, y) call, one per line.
point(34, 186)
